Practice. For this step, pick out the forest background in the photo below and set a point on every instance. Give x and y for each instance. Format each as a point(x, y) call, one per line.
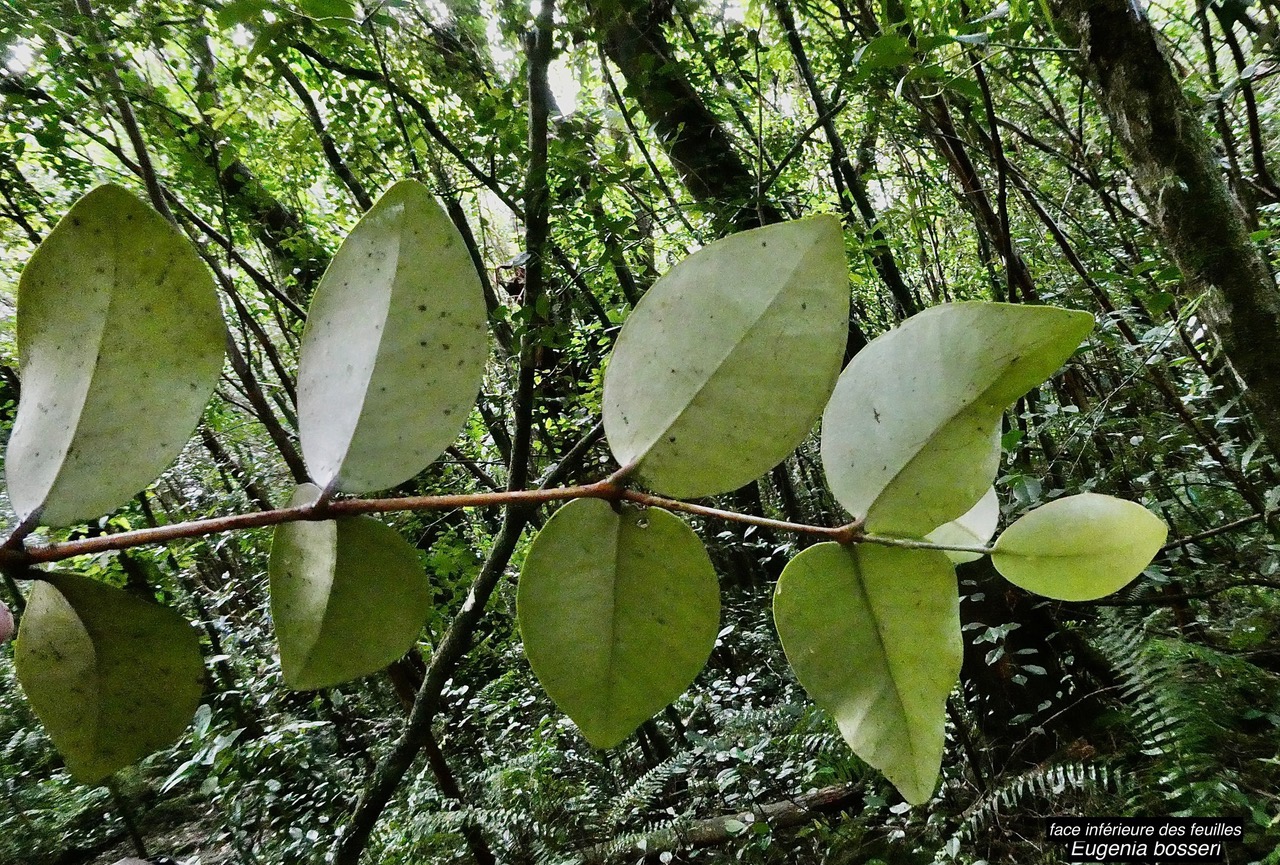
point(1103, 156)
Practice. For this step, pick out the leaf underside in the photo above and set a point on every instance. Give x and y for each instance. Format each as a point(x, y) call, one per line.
point(973, 528)
point(348, 597)
point(112, 677)
point(1079, 548)
point(618, 611)
point(873, 634)
point(120, 342)
point(750, 327)
point(910, 439)
point(394, 349)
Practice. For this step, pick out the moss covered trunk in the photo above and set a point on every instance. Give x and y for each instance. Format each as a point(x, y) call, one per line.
point(1199, 219)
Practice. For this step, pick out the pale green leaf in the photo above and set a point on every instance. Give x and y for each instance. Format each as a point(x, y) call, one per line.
point(873, 634)
point(120, 342)
point(1079, 548)
point(348, 597)
point(111, 676)
point(618, 611)
point(910, 439)
point(394, 349)
point(726, 363)
point(971, 529)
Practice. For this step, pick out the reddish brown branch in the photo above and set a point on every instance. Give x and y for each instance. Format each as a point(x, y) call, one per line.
point(13, 555)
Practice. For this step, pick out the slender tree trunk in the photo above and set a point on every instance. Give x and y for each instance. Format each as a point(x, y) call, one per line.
point(694, 139)
point(1200, 220)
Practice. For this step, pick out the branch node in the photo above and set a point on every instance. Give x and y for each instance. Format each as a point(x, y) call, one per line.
point(849, 533)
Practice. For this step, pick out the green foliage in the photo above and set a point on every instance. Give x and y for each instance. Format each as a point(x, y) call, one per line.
point(909, 440)
point(873, 634)
point(121, 342)
point(1199, 726)
point(348, 597)
point(971, 529)
point(112, 677)
point(432, 93)
point(394, 348)
point(749, 322)
point(1079, 548)
point(618, 606)
point(618, 612)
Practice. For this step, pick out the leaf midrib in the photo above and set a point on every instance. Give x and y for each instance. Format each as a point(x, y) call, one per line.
point(865, 596)
point(611, 660)
point(733, 347)
point(112, 299)
point(386, 296)
point(981, 397)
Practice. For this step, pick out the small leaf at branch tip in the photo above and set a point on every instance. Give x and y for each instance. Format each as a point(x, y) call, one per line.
point(112, 677)
point(305, 494)
point(619, 611)
point(751, 326)
point(394, 349)
point(910, 438)
point(1079, 548)
point(973, 529)
point(111, 393)
point(348, 597)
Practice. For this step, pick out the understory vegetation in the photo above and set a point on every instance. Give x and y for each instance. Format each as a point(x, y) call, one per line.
point(971, 152)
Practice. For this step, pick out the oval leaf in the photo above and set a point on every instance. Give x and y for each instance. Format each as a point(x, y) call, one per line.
point(394, 349)
point(972, 529)
point(120, 340)
point(618, 612)
point(873, 634)
point(111, 676)
point(751, 327)
point(348, 597)
point(910, 439)
point(1079, 548)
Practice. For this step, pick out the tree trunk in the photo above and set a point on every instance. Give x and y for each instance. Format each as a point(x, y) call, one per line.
point(693, 138)
point(1200, 220)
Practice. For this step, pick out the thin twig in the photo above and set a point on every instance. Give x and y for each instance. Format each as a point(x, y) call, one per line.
point(127, 117)
point(259, 519)
point(912, 544)
point(1208, 533)
point(13, 554)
